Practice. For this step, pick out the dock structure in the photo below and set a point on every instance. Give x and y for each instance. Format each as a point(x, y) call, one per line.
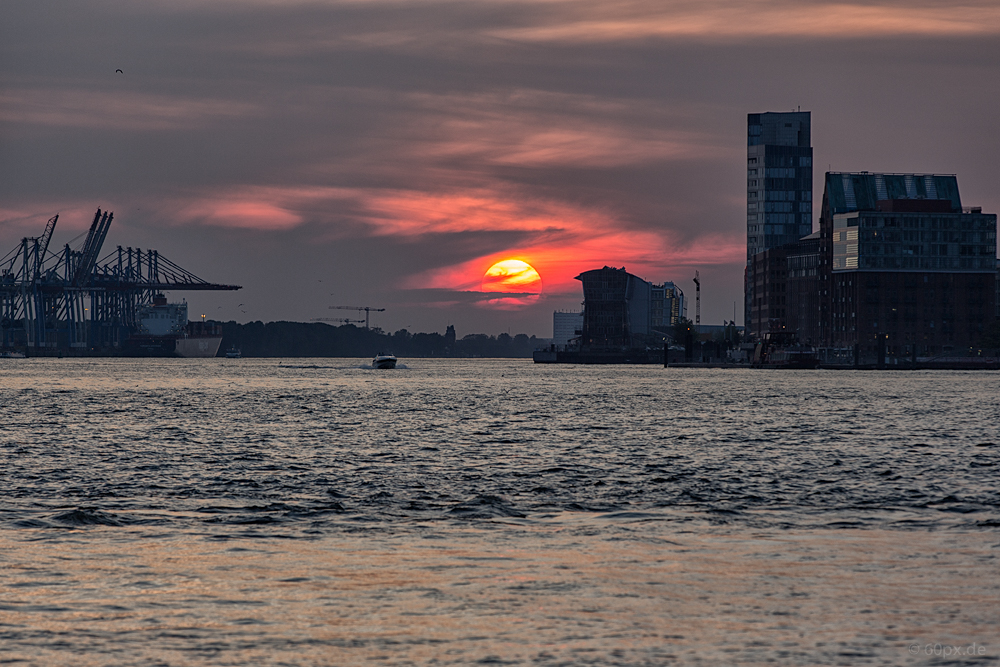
point(76, 301)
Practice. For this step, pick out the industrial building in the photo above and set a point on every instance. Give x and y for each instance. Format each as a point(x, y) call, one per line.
point(779, 187)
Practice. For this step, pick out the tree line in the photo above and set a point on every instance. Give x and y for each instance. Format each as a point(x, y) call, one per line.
point(316, 339)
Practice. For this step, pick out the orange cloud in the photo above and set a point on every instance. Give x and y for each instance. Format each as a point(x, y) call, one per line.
point(714, 20)
point(241, 212)
point(529, 128)
point(567, 238)
point(647, 254)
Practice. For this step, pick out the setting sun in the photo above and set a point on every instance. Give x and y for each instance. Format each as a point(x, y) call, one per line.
point(512, 275)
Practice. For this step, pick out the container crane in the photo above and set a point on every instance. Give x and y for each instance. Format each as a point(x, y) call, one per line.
point(368, 310)
point(81, 303)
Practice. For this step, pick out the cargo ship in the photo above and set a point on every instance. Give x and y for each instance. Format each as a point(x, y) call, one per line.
point(163, 330)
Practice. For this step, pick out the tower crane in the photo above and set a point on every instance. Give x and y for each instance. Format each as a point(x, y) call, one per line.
point(342, 320)
point(697, 298)
point(368, 310)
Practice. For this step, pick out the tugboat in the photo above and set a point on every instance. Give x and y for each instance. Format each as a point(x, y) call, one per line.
point(384, 361)
point(233, 353)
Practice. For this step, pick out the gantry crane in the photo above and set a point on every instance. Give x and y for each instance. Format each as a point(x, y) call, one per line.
point(77, 301)
point(367, 309)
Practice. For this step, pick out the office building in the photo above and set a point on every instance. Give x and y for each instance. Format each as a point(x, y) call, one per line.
point(566, 327)
point(621, 310)
point(667, 307)
point(786, 290)
point(905, 269)
point(616, 308)
point(779, 185)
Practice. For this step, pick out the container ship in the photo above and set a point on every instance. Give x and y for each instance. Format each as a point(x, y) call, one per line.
point(163, 330)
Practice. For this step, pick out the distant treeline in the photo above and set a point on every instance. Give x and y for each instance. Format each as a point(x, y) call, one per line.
point(315, 339)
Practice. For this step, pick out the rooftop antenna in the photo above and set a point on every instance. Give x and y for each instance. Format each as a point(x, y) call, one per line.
point(697, 298)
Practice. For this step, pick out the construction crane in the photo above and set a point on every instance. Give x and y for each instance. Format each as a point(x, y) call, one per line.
point(367, 309)
point(697, 298)
point(343, 320)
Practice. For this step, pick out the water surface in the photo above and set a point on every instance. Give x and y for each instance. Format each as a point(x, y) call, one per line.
point(461, 511)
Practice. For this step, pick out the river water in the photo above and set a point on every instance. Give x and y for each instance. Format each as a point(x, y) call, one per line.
point(458, 512)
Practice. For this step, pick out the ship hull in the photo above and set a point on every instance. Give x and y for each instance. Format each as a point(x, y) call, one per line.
point(198, 347)
point(172, 346)
point(635, 356)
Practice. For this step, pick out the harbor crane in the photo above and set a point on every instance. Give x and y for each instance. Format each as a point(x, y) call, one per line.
point(697, 298)
point(76, 301)
point(368, 310)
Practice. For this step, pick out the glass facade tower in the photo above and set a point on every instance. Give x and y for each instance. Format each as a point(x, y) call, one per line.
point(779, 184)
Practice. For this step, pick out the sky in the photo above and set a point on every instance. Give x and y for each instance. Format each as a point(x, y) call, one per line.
point(387, 154)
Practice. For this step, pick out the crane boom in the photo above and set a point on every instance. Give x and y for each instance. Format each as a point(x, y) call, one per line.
point(44, 245)
point(344, 320)
point(92, 247)
point(367, 309)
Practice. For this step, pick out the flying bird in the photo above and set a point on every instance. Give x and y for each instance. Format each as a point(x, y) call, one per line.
point(118, 71)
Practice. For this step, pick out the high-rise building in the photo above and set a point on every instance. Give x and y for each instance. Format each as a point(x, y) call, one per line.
point(779, 185)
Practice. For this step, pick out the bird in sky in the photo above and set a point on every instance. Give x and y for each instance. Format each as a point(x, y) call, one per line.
point(118, 71)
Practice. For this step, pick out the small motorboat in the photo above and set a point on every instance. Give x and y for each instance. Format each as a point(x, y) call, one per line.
point(233, 353)
point(384, 361)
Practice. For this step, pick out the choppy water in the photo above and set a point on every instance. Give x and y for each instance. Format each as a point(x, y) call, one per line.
point(496, 512)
